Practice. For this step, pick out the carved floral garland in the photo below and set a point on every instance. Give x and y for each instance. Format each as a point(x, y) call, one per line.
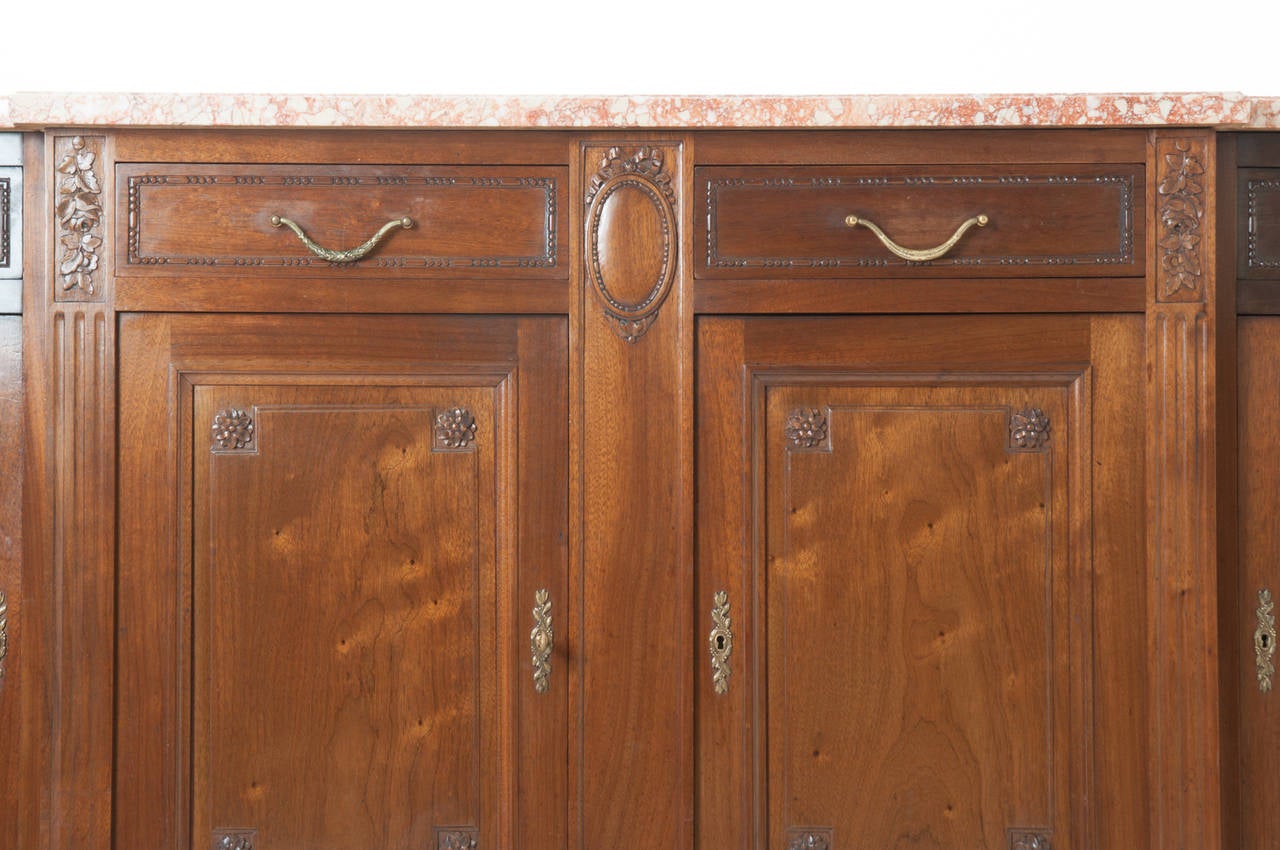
point(79, 217)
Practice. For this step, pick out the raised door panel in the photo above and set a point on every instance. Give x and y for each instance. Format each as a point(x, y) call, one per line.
point(910, 557)
point(1259, 494)
point(328, 610)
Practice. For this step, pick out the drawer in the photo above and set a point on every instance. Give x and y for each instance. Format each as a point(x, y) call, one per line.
point(1258, 223)
point(1067, 220)
point(217, 219)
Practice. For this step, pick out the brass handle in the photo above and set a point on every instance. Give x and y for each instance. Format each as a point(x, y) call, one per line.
point(342, 256)
point(918, 255)
point(4, 632)
point(541, 641)
point(1264, 640)
point(721, 642)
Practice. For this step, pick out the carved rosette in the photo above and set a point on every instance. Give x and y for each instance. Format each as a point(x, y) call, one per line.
point(79, 213)
point(806, 429)
point(1028, 430)
point(234, 839)
point(455, 838)
point(809, 838)
point(455, 430)
point(232, 429)
point(618, 175)
point(1181, 219)
point(1264, 640)
point(1029, 839)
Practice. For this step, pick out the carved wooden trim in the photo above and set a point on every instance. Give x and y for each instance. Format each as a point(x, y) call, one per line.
point(809, 838)
point(455, 430)
point(1028, 430)
point(233, 429)
point(80, 372)
point(137, 183)
point(808, 429)
point(79, 214)
point(457, 838)
point(1254, 190)
point(643, 171)
point(1181, 491)
point(6, 212)
point(1029, 839)
point(1125, 223)
point(1180, 169)
point(234, 839)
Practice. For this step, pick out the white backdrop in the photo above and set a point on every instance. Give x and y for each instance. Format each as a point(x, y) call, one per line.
point(641, 46)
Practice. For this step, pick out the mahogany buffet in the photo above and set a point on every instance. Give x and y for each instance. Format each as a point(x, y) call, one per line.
point(637, 473)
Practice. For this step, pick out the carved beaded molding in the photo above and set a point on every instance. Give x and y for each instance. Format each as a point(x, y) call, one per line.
point(1180, 172)
point(233, 429)
point(1254, 191)
point(137, 184)
point(79, 213)
point(807, 429)
point(457, 838)
point(1028, 430)
point(455, 430)
point(643, 171)
point(1122, 255)
point(6, 208)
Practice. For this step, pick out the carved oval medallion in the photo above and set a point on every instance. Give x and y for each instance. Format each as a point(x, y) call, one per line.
point(631, 232)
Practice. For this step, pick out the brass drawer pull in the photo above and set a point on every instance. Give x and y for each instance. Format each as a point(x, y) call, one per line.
point(721, 642)
point(342, 256)
point(541, 641)
point(918, 255)
point(1264, 640)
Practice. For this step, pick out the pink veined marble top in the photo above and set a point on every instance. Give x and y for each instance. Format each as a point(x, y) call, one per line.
point(1226, 109)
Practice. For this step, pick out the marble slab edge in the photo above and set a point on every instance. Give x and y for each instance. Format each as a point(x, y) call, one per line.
point(35, 110)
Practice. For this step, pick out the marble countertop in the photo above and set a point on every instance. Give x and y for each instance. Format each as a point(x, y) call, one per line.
point(36, 110)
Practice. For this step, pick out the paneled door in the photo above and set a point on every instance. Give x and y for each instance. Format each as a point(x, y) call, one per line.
point(342, 583)
point(901, 600)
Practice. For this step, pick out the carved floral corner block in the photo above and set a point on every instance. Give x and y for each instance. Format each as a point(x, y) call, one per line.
point(639, 182)
point(808, 429)
point(457, 838)
point(79, 212)
point(1028, 430)
point(809, 838)
point(233, 429)
point(455, 430)
point(1029, 839)
point(234, 839)
point(1180, 173)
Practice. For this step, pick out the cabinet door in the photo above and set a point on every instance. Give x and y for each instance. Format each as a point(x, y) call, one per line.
point(334, 535)
point(928, 579)
point(1259, 436)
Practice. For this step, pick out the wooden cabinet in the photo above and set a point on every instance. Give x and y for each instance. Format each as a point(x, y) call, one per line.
point(626, 493)
point(926, 531)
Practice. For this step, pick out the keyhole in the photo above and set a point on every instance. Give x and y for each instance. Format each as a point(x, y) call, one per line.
point(1266, 639)
point(719, 641)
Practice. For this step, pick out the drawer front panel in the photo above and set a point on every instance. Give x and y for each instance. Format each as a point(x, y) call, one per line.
point(1059, 220)
point(470, 221)
point(1258, 237)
